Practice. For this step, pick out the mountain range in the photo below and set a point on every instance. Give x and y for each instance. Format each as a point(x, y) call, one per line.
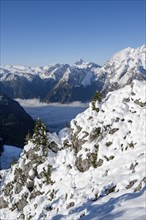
point(78, 82)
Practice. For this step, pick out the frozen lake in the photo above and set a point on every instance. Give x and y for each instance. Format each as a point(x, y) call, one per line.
point(55, 116)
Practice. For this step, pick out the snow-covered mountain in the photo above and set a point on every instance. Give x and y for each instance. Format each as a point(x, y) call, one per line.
point(77, 82)
point(124, 66)
point(93, 170)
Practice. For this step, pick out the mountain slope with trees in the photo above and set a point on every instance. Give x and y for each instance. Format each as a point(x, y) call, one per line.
point(95, 169)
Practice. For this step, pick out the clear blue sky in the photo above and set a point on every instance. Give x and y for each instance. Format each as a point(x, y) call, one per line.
point(35, 32)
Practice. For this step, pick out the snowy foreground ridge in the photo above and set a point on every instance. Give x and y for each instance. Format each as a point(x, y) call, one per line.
point(93, 170)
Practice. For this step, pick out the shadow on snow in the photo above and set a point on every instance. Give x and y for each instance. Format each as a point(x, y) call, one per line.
point(104, 210)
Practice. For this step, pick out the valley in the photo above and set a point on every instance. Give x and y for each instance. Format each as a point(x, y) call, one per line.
point(55, 116)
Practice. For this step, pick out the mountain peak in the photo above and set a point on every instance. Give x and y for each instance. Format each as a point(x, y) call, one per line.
point(80, 62)
point(128, 53)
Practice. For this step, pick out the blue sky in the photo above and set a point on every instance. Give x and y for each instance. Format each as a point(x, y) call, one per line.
point(42, 32)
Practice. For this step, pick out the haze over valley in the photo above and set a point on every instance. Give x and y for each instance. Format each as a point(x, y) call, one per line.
point(55, 116)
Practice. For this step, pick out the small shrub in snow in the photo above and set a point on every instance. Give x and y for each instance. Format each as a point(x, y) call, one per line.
point(47, 175)
point(66, 144)
point(97, 97)
point(94, 107)
point(94, 159)
point(132, 167)
point(52, 195)
point(131, 145)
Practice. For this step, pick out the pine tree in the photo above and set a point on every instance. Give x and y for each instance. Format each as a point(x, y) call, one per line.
point(97, 97)
point(39, 137)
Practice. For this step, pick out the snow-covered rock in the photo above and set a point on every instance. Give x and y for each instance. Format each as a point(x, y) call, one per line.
point(97, 171)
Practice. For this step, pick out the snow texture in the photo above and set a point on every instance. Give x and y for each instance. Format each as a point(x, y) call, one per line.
point(98, 171)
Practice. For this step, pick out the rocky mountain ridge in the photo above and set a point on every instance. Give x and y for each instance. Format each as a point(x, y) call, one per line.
point(88, 171)
point(15, 123)
point(77, 82)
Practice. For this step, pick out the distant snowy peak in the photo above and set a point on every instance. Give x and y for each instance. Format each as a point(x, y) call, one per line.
point(83, 65)
point(123, 67)
point(79, 62)
point(129, 54)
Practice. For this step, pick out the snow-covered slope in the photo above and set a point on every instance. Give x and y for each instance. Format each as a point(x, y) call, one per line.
point(77, 82)
point(124, 66)
point(93, 170)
